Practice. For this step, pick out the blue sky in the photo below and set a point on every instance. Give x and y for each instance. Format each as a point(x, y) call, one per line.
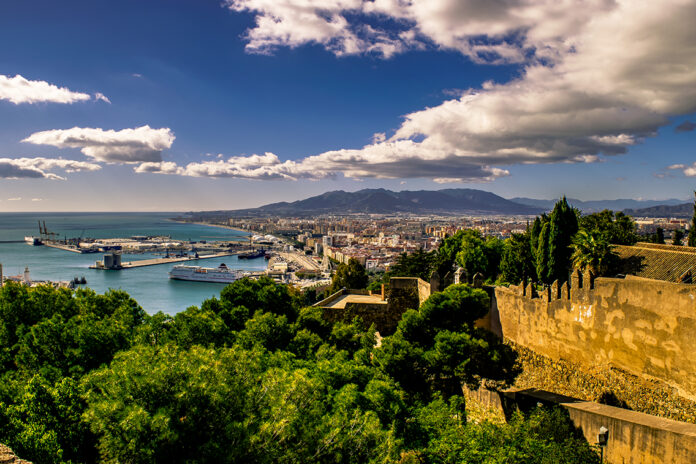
point(202, 104)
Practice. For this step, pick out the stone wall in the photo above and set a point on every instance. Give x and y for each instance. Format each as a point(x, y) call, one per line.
point(643, 326)
point(634, 438)
point(404, 293)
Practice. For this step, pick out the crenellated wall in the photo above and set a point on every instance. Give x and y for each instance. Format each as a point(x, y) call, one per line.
point(646, 327)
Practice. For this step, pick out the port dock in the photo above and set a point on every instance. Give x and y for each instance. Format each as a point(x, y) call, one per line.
point(158, 261)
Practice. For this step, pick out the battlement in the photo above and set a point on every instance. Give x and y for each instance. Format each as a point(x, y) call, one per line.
point(643, 326)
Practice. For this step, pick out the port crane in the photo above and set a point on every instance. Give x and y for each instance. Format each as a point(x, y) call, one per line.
point(44, 232)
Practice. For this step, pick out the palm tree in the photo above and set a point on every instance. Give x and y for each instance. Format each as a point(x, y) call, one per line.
point(592, 250)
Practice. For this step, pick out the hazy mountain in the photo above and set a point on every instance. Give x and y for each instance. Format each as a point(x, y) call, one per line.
point(599, 205)
point(381, 201)
point(684, 210)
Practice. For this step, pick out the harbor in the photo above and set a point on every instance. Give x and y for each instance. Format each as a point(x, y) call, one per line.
point(113, 261)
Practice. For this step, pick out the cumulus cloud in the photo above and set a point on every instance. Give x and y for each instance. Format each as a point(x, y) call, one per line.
point(39, 168)
point(140, 145)
point(18, 90)
point(687, 170)
point(484, 31)
point(592, 81)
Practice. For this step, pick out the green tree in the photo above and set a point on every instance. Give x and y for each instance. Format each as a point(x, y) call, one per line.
point(437, 348)
point(351, 275)
point(592, 250)
point(659, 236)
point(563, 224)
point(677, 237)
point(417, 264)
point(517, 262)
point(691, 240)
point(618, 228)
point(542, 254)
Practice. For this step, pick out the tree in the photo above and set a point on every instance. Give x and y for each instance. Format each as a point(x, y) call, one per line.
point(516, 263)
point(351, 275)
point(618, 228)
point(677, 237)
point(563, 224)
point(542, 254)
point(417, 264)
point(692, 230)
point(437, 348)
point(591, 250)
point(659, 236)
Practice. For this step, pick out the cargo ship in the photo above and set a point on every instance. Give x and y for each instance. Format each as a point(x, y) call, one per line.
point(221, 274)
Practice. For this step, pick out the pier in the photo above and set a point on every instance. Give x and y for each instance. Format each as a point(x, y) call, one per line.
point(157, 261)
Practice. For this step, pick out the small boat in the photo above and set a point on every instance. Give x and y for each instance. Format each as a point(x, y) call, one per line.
point(220, 274)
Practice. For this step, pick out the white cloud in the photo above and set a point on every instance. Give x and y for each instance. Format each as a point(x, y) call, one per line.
point(15, 199)
point(142, 144)
point(687, 170)
point(599, 76)
point(37, 199)
point(18, 90)
point(39, 168)
point(100, 96)
point(484, 31)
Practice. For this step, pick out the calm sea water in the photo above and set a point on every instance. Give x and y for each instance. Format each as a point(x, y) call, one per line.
point(150, 286)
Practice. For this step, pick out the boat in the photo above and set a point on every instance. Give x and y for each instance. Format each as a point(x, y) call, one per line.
point(220, 274)
point(31, 240)
point(252, 254)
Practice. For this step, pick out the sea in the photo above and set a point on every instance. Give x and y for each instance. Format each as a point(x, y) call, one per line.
point(150, 286)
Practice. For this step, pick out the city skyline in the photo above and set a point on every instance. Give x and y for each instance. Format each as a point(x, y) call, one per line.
point(200, 105)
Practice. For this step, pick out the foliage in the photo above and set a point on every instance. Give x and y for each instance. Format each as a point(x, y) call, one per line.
point(351, 275)
point(417, 264)
point(691, 240)
point(437, 348)
point(563, 224)
point(254, 377)
point(677, 237)
point(591, 250)
point(517, 261)
point(617, 228)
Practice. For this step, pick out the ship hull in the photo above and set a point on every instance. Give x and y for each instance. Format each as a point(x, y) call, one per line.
point(202, 274)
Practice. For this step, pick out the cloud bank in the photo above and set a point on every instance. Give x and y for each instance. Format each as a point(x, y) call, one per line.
point(39, 168)
point(139, 145)
point(18, 90)
point(596, 77)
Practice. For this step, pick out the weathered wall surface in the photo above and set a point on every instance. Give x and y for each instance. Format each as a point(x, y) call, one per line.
point(404, 293)
point(634, 438)
point(643, 326)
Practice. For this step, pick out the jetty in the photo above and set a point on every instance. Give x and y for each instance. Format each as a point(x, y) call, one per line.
point(156, 261)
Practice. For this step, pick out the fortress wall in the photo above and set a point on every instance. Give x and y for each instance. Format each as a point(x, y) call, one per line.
point(643, 326)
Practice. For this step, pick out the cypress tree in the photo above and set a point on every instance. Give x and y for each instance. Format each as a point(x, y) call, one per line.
point(563, 225)
point(542, 253)
point(692, 229)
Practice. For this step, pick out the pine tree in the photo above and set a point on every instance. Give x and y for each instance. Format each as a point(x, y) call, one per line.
point(563, 225)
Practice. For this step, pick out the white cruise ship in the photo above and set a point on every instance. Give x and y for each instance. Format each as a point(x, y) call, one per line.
point(220, 274)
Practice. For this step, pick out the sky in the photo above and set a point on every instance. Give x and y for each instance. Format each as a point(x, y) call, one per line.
point(187, 105)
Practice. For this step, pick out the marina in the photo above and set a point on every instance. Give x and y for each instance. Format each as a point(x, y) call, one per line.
point(149, 285)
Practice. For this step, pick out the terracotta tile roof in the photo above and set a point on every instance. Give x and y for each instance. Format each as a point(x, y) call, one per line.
point(661, 262)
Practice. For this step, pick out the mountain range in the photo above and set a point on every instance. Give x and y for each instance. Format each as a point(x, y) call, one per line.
point(447, 201)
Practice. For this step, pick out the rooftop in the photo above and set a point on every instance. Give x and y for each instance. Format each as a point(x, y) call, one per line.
point(661, 262)
point(342, 300)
